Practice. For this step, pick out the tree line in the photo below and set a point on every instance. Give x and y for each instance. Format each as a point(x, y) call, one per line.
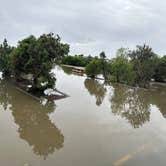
point(33, 59)
point(133, 67)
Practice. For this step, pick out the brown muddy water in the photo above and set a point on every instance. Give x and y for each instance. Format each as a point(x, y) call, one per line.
point(98, 125)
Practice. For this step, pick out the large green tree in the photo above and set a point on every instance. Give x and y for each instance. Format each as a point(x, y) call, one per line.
point(36, 56)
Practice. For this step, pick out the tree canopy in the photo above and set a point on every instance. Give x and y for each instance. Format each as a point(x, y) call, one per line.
point(134, 67)
point(121, 69)
point(35, 56)
point(143, 60)
point(93, 68)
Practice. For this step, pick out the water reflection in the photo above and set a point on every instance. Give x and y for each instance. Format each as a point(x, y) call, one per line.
point(158, 97)
point(34, 125)
point(97, 89)
point(67, 70)
point(130, 104)
point(134, 104)
point(5, 97)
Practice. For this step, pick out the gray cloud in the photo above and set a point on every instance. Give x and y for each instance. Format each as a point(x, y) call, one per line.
point(90, 26)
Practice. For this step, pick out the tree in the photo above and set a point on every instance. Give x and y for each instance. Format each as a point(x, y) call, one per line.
point(104, 66)
point(93, 68)
point(24, 57)
point(160, 72)
point(143, 60)
point(36, 56)
point(121, 68)
point(5, 54)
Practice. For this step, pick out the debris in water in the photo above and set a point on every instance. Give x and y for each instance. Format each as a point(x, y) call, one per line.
point(50, 92)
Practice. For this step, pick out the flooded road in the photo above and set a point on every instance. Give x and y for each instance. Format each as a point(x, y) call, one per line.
point(98, 125)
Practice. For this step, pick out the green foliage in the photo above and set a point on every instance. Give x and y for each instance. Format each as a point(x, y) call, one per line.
point(122, 69)
point(160, 72)
point(93, 68)
point(36, 56)
point(77, 60)
point(104, 65)
point(5, 54)
point(143, 60)
point(98, 66)
point(24, 55)
point(52, 46)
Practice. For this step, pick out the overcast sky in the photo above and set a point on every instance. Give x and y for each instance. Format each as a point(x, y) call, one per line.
point(89, 26)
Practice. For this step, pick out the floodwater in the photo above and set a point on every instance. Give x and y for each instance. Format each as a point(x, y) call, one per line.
point(98, 125)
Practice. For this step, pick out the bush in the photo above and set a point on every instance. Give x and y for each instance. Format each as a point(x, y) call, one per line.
point(93, 68)
point(77, 60)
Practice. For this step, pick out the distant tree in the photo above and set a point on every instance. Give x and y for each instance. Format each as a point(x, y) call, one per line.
point(121, 68)
point(143, 60)
point(5, 54)
point(93, 68)
point(77, 60)
point(160, 72)
point(104, 66)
